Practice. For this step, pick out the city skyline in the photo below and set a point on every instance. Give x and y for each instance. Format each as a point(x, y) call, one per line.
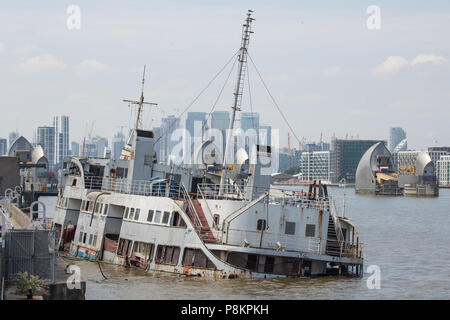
point(98, 144)
point(328, 73)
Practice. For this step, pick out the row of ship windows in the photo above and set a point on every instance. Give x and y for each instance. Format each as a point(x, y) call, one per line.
point(92, 239)
point(155, 216)
point(142, 253)
point(100, 208)
point(289, 228)
point(62, 202)
point(134, 213)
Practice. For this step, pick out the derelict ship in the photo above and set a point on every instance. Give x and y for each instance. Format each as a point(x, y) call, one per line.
point(214, 221)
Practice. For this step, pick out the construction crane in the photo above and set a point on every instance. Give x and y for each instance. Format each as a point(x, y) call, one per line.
point(90, 131)
point(289, 144)
point(83, 149)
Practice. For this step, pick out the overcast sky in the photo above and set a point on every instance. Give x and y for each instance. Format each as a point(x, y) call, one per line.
point(328, 72)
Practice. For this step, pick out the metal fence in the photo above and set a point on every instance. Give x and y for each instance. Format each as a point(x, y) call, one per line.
point(32, 251)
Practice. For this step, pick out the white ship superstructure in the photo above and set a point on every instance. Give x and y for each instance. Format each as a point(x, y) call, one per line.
point(209, 220)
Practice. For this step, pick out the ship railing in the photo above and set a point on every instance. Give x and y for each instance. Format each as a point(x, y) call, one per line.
point(273, 241)
point(295, 198)
point(158, 188)
point(190, 210)
point(352, 250)
point(212, 191)
point(279, 196)
point(337, 226)
point(302, 202)
point(210, 215)
point(93, 182)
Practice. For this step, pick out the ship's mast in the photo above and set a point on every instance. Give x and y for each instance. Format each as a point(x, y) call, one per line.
point(140, 103)
point(242, 65)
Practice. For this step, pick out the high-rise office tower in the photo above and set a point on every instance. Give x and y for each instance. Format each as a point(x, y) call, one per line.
point(195, 125)
point(12, 137)
point(397, 140)
point(265, 135)
point(250, 126)
point(117, 145)
point(3, 146)
point(45, 137)
point(101, 143)
point(61, 125)
point(221, 120)
point(75, 149)
point(168, 126)
point(157, 146)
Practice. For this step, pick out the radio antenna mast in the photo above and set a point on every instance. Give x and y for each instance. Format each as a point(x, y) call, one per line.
point(239, 89)
point(140, 103)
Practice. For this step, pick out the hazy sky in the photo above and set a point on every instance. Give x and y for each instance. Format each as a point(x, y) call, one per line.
point(328, 72)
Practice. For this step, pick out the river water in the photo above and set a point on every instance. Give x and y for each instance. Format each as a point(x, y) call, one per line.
point(407, 238)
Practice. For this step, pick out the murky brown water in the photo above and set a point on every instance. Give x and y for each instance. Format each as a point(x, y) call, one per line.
point(408, 238)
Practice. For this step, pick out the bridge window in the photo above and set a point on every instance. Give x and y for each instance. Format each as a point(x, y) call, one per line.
point(105, 210)
point(81, 237)
point(136, 215)
point(166, 216)
point(131, 214)
point(176, 220)
point(125, 216)
point(157, 216)
point(290, 228)
point(310, 230)
point(150, 215)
